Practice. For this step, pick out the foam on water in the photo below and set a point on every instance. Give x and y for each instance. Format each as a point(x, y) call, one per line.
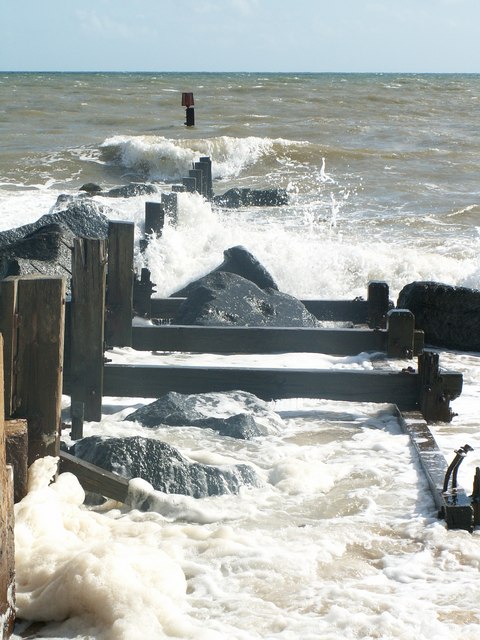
point(324, 258)
point(159, 158)
point(341, 541)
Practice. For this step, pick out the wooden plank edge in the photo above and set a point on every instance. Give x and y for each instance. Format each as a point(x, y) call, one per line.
point(95, 479)
point(453, 506)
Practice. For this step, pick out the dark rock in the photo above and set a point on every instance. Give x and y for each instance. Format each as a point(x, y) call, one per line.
point(240, 261)
point(449, 316)
point(162, 466)
point(44, 246)
point(228, 299)
point(83, 218)
point(249, 416)
point(234, 198)
point(131, 190)
point(91, 187)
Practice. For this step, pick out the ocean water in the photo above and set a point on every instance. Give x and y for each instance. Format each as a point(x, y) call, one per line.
point(341, 540)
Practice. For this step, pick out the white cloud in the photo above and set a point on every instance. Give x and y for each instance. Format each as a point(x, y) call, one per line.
point(104, 26)
point(246, 7)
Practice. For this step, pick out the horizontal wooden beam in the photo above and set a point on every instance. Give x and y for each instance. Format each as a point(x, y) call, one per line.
point(454, 506)
point(226, 339)
point(93, 478)
point(334, 384)
point(257, 339)
point(355, 311)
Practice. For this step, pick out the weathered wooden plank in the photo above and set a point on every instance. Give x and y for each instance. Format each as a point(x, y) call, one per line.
point(93, 478)
point(119, 300)
point(7, 549)
point(378, 304)
point(275, 339)
point(257, 339)
point(8, 327)
point(453, 506)
point(39, 361)
point(401, 330)
point(334, 384)
point(16, 432)
point(436, 390)
point(154, 219)
point(355, 311)
point(85, 378)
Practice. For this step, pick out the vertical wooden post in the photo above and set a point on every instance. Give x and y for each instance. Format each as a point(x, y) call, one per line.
point(476, 497)
point(87, 325)
point(154, 219)
point(400, 333)
point(170, 204)
point(190, 117)
point(435, 397)
point(9, 329)
point(37, 376)
point(142, 294)
point(378, 304)
point(190, 184)
point(118, 328)
point(7, 549)
point(208, 176)
point(16, 432)
point(202, 167)
point(77, 413)
point(198, 175)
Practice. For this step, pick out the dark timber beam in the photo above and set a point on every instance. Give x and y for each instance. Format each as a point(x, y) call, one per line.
point(93, 478)
point(453, 506)
point(233, 339)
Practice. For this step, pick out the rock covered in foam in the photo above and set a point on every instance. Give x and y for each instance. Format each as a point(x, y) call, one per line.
point(237, 414)
point(162, 466)
point(45, 246)
point(221, 299)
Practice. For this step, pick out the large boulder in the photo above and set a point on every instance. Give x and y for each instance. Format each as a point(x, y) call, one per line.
point(83, 218)
point(448, 315)
point(131, 191)
point(221, 299)
point(44, 246)
point(163, 466)
point(234, 198)
point(237, 414)
point(240, 261)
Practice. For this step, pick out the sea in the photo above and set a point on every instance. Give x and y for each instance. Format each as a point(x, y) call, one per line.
point(341, 539)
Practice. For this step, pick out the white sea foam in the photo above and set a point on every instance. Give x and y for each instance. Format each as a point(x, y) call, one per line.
point(159, 158)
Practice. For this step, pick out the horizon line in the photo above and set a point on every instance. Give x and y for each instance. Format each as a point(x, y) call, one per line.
point(84, 71)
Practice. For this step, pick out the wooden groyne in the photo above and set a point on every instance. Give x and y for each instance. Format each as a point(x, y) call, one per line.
point(7, 543)
point(47, 351)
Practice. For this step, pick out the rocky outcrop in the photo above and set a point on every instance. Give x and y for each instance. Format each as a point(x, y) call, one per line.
point(130, 191)
point(234, 198)
point(126, 191)
point(449, 316)
point(163, 466)
point(44, 246)
point(221, 299)
point(240, 261)
point(244, 415)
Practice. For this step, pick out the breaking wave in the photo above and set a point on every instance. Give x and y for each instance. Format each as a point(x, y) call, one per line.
point(159, 158)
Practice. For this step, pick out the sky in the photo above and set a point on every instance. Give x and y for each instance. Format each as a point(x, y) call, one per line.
point(436, 36)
